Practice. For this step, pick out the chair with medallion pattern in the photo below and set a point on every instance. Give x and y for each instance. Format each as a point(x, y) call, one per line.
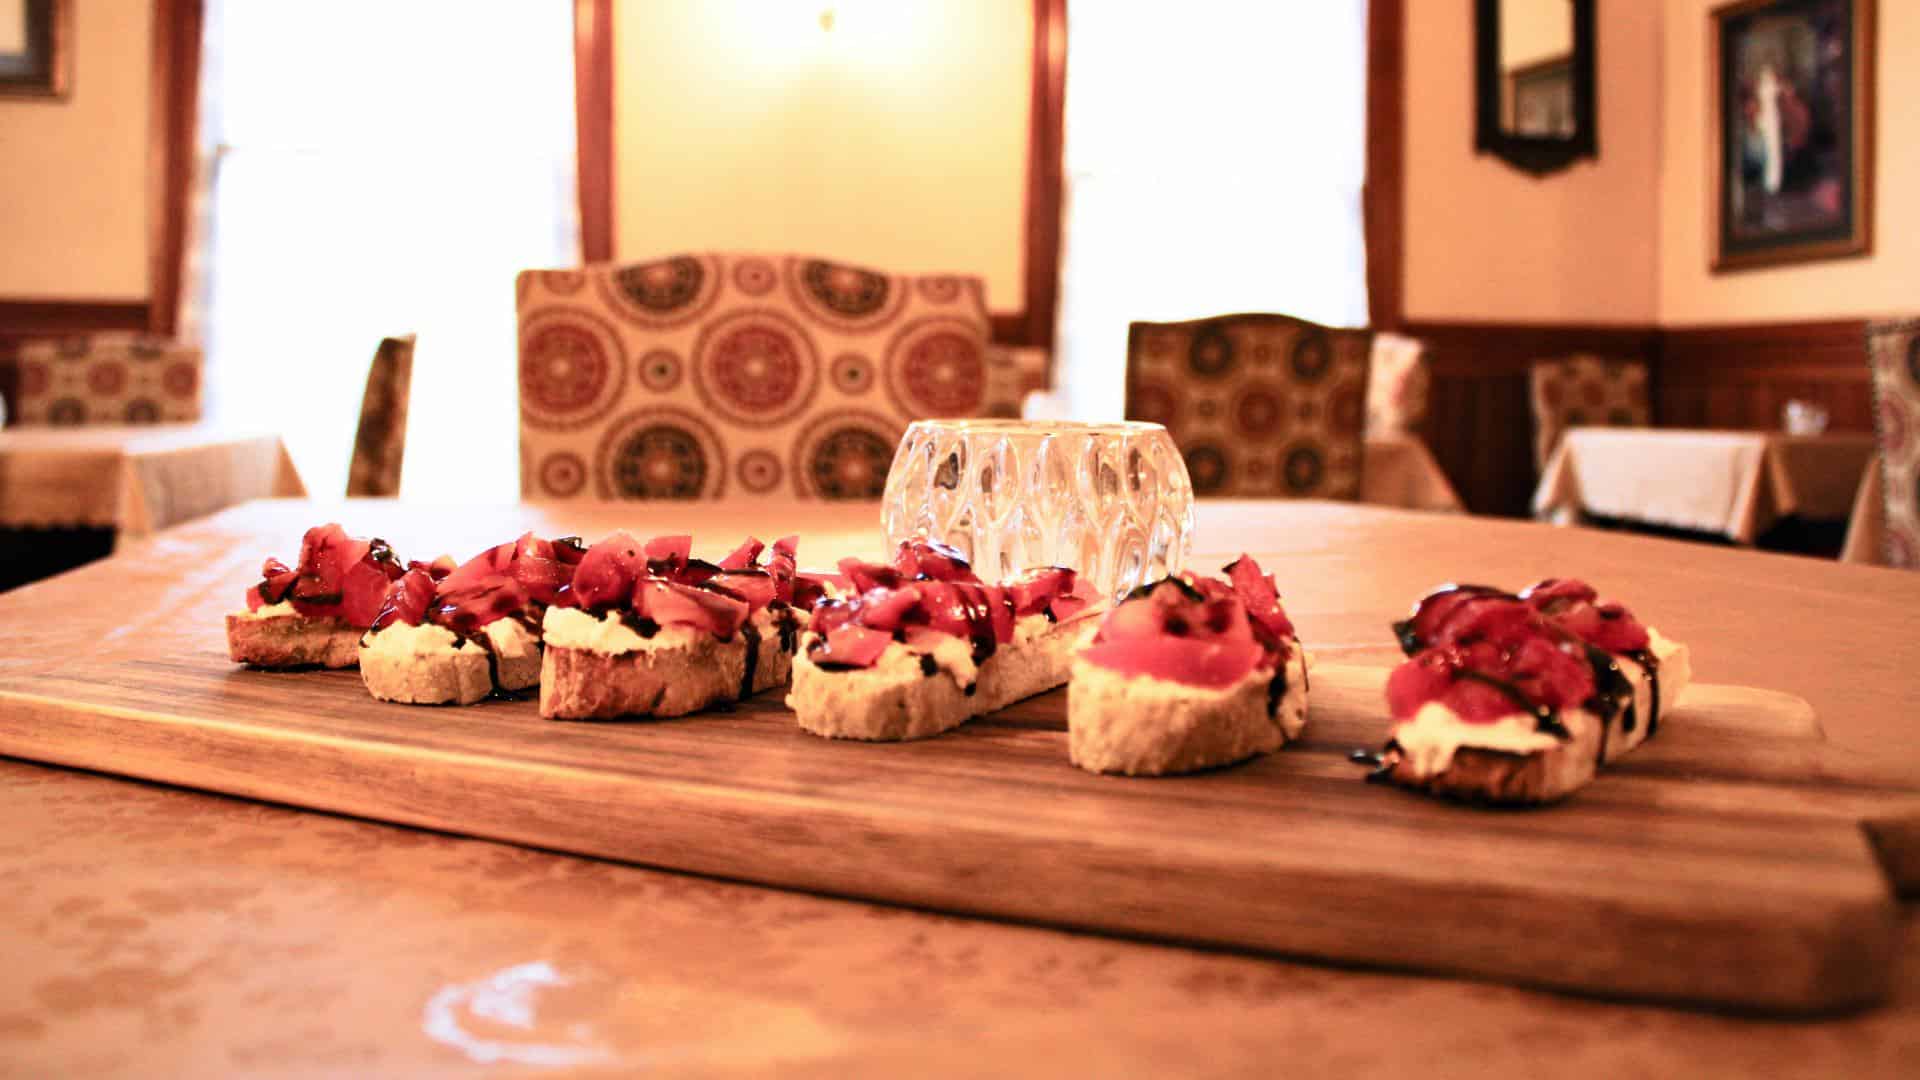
point(1585, 391)
point(1259, 405)
point(1893, 352)
point(713, 376)
point(112, 378)
point(380, 444)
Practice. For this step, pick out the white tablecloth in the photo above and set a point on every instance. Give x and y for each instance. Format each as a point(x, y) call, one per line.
point(1399, 471)
point(136, 480)
point(1735, 483)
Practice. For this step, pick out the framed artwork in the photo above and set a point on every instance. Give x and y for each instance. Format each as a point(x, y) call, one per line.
point(35, 47)
point(1792, 108)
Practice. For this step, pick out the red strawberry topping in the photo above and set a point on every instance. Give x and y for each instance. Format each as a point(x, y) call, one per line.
point(337, 576)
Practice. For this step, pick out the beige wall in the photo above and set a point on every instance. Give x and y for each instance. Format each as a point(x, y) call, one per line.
point(1486, 241)
point(1886, 281)
point(897, 139)
point(73, 188)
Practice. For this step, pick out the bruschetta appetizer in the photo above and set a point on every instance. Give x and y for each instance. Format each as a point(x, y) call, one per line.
point(456, 635)
point(646, 630)
point(1519, 698)
point(313, 613)
point(1188, 673)
point(922, 644)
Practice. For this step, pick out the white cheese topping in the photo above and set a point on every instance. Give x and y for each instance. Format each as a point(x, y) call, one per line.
point(269, 611)
point(571, 628)
point(399, 640)
point(1428, 741)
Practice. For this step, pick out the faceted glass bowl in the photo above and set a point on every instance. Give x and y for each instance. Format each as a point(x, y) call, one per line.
point(1112, 501)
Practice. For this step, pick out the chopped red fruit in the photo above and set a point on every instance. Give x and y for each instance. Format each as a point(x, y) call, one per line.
point(744, 557)
point(337, 576)
point(1261, 597)
point(851, 645)
point(604, 579)
point(1196, 630)
point(933, 560)
point(1574, 606)
point(1488, 655)
point(408, 598)
point(670, 603)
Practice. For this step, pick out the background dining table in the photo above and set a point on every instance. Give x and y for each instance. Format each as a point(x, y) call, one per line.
point(1734, 484)
point(136, 479)
point(152, 930)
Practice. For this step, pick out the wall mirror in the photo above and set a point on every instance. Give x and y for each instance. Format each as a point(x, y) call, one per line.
point(1533, 80)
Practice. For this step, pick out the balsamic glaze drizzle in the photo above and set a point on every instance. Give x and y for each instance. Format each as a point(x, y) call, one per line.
point(751, 635)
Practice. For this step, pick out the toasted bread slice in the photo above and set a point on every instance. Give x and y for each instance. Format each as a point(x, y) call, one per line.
point(292, 641)
point(679, 670)
point(1139, 725)
point(910, 695)
point(430, 665)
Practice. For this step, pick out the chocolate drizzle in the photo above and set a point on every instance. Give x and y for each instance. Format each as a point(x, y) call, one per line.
point(1277, 686)
point(1646, 659)
point(751, 635)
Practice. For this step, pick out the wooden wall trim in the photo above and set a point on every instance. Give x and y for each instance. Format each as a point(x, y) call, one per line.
point(174, 113)
point(1034, 323)
point(1383, 200)
point(593, 116)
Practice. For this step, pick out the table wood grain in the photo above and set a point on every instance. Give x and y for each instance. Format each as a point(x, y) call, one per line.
point(157, 927)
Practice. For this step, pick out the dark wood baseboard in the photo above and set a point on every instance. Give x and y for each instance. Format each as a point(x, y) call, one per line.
point(1741, 376)
point(1480, 422)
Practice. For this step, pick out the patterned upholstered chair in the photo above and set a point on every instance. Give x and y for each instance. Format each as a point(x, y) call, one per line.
point(707, 376)
point(1013, 372)
point(1893, 352)
point(1589, 391)
point(380, 444)
point(1260, 405)
point(1397, 385)
point(107, 379)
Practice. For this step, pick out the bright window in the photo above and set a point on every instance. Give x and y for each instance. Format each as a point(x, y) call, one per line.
point(1215, 152)
point(379, 168)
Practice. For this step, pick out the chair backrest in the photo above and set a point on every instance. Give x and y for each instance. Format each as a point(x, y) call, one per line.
point(1893, 352)
point(1260, 405)
point(1397, 384)
point(704, 376)
point(107, 379)
point(1013, 372)
point(380, 444)
point(1585, 391)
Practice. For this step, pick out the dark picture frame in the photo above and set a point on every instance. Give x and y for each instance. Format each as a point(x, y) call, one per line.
point(1792, 121)
point(42, 68)
point(1536, 154)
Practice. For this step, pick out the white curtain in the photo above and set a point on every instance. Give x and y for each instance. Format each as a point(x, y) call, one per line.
point(380, 168)
point(1215, 151)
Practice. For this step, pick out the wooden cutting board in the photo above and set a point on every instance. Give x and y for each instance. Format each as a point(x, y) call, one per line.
point(1722, 864)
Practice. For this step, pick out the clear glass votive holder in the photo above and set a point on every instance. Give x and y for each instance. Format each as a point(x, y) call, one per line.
point(1112, 501)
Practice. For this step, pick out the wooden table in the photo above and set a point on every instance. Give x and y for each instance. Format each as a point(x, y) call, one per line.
point(1731, 483)
point(158, 931)
point(135, 480)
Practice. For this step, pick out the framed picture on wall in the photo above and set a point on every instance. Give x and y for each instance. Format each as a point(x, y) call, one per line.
point(1792, 116)
point(35, 37)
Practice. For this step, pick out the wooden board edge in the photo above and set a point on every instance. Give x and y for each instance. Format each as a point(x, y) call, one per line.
point(1820, 962)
